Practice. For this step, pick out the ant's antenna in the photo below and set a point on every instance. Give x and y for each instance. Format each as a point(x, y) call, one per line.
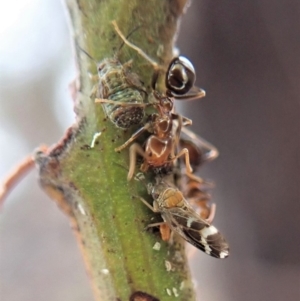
point(127, 37)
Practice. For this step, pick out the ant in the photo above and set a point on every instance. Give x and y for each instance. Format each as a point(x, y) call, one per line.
point(160, 147)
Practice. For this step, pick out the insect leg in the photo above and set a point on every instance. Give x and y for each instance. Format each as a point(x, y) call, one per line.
point(185, 152)
point(133, 151)
point(134, 136)
point(155, 225)
point(212, 152)
point(93, 92)
point(189, 171)
point(186, 121)
point(165, 232)
point(199, 180)
point(177, 132)
point(146, 203)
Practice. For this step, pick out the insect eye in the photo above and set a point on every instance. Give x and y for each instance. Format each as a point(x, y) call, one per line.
point(181, 76)
point(100, 67)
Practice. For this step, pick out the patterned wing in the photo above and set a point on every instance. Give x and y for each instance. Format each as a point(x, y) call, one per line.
point(196, 231)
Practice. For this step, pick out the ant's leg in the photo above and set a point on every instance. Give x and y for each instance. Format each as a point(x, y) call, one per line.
point(186, 121)
point(189, 170)
point(199, 180)
point(133, 151)
point(178, 129)
point(212, 152)
point(133, 137)
point(184, 152)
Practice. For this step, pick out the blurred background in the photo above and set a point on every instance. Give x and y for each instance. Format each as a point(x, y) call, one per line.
point(246, 54)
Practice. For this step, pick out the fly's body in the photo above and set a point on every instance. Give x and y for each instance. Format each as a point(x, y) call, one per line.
point(180, 217)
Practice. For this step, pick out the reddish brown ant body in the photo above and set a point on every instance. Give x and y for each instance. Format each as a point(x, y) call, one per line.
point(160, 146)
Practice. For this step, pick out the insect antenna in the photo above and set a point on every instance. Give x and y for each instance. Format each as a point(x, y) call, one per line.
point(137, 49)
point(127, 37)
point(87, 54)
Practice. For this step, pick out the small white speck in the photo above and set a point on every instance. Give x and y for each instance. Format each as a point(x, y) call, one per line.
point(139, 177)
point(181, 287)
point(178, 256)
point(169, 292)
point(95, 137)
point(105, 271)
point(168, 265)
point(160, 50)
point(175, 292)
point(156, 246)
point(80, 208)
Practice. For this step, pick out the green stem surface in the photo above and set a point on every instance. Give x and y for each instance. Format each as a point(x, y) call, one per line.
point(91, 185)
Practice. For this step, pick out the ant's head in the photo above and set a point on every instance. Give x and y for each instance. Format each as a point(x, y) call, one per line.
point(180, 77)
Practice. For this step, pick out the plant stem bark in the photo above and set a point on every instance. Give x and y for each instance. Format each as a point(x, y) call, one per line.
point(90, 185)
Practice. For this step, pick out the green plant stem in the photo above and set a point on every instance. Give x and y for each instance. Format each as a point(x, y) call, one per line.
point(90, 185)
